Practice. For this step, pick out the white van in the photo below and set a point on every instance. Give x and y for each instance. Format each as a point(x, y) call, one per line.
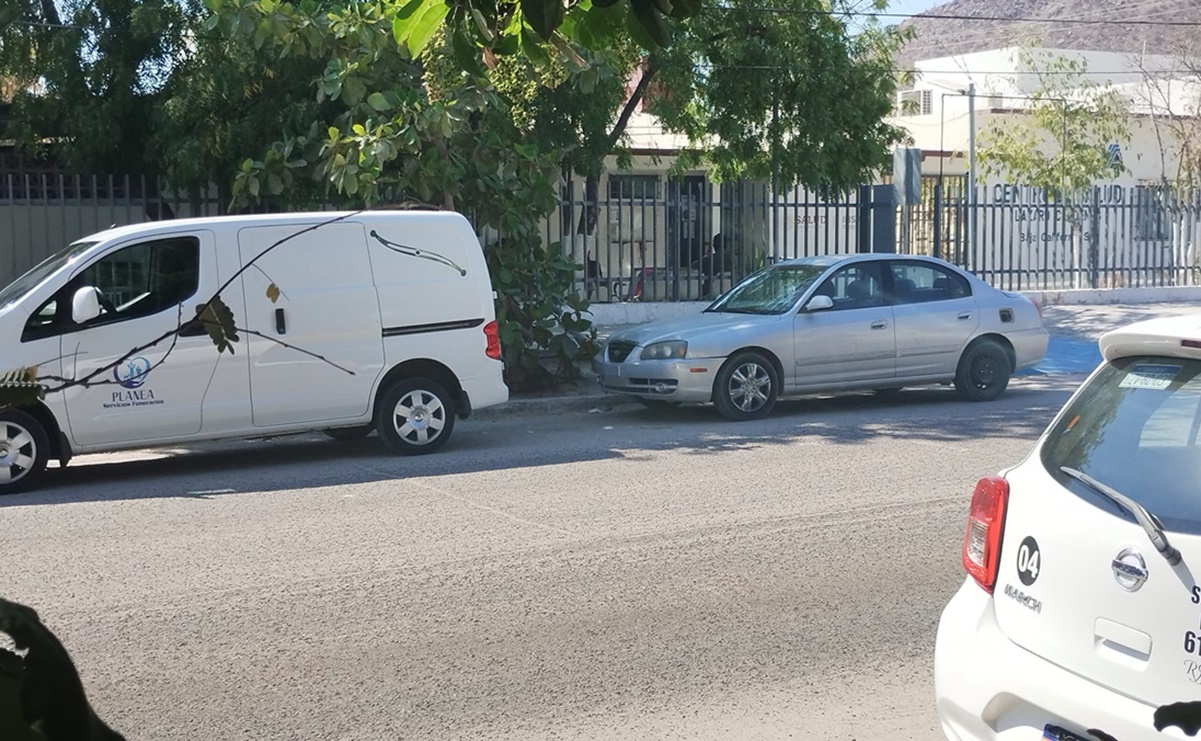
point(398, 305)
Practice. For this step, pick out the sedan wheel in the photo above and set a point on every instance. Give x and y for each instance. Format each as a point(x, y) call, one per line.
point(747, 387)
point(984, 371)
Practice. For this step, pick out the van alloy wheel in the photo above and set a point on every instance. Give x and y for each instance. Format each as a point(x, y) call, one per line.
point(24, 451)
point(416, 416)
point(419, 417)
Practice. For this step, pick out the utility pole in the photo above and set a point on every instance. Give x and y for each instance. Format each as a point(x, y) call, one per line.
point(971, 165)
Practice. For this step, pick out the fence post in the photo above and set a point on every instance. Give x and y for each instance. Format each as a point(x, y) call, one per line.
point(863, 220)
point(938, 220)
point(1094, 239)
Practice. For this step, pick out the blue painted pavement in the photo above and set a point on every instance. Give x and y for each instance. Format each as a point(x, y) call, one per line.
point(1066, 356)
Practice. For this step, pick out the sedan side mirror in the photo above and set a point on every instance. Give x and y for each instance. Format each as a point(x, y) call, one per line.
point(85, 305)
point(820, 302)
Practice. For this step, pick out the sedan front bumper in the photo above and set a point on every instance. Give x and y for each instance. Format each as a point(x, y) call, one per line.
point(688, 380)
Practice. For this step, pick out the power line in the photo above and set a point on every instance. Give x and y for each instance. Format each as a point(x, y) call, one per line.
point(952, 17)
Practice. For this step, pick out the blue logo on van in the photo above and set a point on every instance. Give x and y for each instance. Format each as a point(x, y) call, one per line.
point(132, 373)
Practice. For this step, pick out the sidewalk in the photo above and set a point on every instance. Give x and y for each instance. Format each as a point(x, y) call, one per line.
point(1074, 330)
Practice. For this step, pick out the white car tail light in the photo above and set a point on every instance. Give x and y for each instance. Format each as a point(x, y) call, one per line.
point(985, 521)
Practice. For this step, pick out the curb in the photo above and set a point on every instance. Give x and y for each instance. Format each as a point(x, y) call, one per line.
point(548, 405)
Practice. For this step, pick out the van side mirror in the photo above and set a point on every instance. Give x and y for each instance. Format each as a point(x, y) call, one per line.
point(85, 305)
point(820, 302)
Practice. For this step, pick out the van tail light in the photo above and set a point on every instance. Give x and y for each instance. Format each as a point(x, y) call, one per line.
point(985, 522)
point(492, 332)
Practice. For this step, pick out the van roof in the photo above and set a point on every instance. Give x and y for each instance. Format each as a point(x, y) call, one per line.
point(297, 217)
point(1178, 336)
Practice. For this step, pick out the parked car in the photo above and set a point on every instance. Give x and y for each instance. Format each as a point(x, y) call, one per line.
point(381, 321)
point(824, 324)
point(1079, 613)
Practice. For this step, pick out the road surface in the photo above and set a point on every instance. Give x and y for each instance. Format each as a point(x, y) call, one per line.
point(622, 575)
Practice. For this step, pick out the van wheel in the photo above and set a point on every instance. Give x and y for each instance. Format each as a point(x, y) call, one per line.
point(349, 434)
point(24, 451)
point(984, 371)
point(746, 387)
point(415, 416)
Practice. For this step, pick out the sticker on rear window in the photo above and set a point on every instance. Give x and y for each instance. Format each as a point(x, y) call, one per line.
point(1149, 376)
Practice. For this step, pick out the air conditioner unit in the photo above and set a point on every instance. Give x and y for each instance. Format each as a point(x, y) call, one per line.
point(915, 102)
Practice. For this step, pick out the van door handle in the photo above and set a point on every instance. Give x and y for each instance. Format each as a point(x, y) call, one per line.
point(281, 327)
point(965, 315)
point(880, 324)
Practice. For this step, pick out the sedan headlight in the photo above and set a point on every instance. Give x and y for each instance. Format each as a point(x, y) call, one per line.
point(665, 350)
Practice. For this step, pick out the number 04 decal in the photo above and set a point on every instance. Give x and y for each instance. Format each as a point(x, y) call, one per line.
point(1029, 561)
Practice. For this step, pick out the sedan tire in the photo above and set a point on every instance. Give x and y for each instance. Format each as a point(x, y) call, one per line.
point(984, 371)
point(746, 387)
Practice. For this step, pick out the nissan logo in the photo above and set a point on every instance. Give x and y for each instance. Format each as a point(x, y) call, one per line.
point(1130, 570)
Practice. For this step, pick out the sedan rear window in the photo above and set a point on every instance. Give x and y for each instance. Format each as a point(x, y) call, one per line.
point(1135, 427)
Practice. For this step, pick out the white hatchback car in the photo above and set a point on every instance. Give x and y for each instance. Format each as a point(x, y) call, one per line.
point(1080, 617)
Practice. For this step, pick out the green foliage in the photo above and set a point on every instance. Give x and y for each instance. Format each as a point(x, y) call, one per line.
point(101, 66)
point(1060, 142)
point(218, 321)
point(20, 387)
point(790, 97)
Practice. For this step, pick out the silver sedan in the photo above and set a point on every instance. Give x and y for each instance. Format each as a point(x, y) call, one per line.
point(828, 324)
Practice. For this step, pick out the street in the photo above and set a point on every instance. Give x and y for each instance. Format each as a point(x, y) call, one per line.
point(626, 574)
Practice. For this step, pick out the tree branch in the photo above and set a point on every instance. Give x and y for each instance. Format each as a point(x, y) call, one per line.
point(297, 349)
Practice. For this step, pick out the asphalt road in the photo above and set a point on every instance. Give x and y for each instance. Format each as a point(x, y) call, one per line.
point(620, 575)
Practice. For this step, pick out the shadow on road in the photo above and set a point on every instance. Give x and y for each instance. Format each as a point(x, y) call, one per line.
point(629, 433)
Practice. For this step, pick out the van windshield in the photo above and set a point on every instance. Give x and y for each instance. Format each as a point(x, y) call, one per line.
point(38, 273)
point(1135, 427)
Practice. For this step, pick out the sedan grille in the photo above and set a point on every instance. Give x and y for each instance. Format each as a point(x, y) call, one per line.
point(619, 350)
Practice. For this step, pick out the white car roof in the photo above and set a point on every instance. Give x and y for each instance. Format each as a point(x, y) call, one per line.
point(1178, 336)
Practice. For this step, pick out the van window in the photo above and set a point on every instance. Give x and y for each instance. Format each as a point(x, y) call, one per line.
point(145, 278)
point(1136, 427)
point(135, 281)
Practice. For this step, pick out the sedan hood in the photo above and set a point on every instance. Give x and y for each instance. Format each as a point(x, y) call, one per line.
point(692, 328)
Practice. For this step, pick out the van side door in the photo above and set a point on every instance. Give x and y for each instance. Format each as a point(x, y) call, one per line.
point(148, 289)
point(317, 349)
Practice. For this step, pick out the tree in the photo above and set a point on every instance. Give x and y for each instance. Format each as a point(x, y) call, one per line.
point(1060, 140)
point(787, 95)
point(97, 68)
point(1059, 143)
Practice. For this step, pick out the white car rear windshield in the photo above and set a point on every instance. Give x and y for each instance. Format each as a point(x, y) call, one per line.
point(1135, 427)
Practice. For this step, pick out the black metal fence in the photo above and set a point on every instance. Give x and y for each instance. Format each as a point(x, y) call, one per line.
point(659, 239)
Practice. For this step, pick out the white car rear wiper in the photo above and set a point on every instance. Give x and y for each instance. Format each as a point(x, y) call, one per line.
point(1148, 521)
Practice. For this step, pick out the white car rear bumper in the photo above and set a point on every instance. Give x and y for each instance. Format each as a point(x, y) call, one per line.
point(988, 687)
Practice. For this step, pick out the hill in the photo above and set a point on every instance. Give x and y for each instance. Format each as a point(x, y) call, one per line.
point(940, 37)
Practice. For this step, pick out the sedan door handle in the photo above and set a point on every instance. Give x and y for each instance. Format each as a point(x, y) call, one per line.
point(965, 315)
point(881, 324)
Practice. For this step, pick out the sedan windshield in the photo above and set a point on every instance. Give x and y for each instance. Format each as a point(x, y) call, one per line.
point(1136, 428)
point(33, 278)
point(773, 290)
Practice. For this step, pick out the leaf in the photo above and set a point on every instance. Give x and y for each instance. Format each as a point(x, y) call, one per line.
point(377, 101)
point(544, 16)
point(532, 47)
point(425, 27)
point(218, 321)
point(467, 55)
point(273, 293)
point(20, 387)
point(406, 17)
point(645, 17)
